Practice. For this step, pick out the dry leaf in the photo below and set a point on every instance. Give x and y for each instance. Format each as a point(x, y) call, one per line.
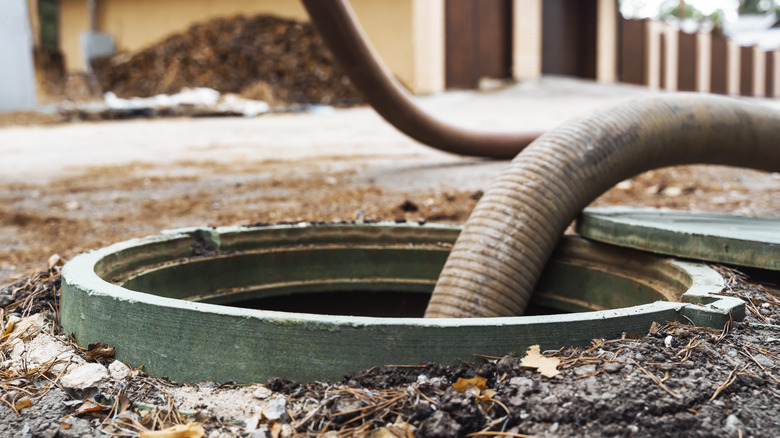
point(546, 366)
point(463, 384)
point(22, 403)
point(189, 430)
point(276, 429)
point(96, 351)
point(54, 260)
point(8, 328)
point(399, 429)
point(65, 426)
point(486, 397)
point(88, 406)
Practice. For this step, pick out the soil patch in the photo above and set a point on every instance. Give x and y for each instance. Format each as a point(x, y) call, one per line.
point(261, 57)
point(675, 380)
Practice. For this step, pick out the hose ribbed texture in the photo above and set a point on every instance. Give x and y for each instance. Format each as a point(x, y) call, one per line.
point(505, 244)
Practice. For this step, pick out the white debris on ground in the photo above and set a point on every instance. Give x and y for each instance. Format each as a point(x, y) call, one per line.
point(189, 101)
point(30, 346)
point(235, 403)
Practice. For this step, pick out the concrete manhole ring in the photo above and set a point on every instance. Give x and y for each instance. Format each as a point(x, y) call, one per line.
point(154, 300)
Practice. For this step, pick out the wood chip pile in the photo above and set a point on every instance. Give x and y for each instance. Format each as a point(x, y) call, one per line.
point(262, 57)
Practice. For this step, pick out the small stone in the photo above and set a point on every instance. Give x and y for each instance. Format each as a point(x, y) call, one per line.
point(733, 425)
point(17, 351)
point(118, 370)
point(275, 408)
point(46, 348)
point(85, 376)
point(439, 425)
point(262, 393)
point(613, 367)
point(585, 369)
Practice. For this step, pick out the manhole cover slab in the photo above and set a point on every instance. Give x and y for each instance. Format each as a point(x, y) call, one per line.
point(721, 238)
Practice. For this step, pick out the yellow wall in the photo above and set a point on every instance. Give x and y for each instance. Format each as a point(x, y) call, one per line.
point(135, 24)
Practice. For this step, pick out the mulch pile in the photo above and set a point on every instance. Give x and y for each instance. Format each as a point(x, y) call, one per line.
point(262, 57)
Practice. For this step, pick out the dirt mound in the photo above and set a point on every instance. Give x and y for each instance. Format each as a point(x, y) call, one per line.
point(263, 57)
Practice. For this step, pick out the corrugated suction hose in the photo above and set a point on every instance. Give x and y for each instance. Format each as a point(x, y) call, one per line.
point(511, 233)
point(341, 31)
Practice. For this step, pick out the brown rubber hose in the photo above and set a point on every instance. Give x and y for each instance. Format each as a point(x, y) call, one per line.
point(511, 233)
point(341, 31)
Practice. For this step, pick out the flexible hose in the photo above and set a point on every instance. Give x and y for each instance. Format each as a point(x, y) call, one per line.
point(512, 231)
point(341, 31)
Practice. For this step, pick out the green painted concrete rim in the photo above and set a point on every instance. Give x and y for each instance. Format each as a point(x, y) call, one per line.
point(713, 237)
point(191, 341)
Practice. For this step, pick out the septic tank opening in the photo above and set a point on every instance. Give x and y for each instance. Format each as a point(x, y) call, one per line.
point(165, 303)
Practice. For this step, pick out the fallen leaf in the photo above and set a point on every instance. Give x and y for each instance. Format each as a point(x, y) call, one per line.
point(486, 397)
point(96, 351)
point(65, 426)
point(463, 384)
point(399, 429)
point(54, 260)
point(546, 366)
point(8, 329)
point(88, 407)
point(22, 403)
point(124, 403)
point(189, 430)
point(276, 429)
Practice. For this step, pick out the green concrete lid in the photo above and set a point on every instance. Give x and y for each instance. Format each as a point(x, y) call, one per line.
point(721, 238)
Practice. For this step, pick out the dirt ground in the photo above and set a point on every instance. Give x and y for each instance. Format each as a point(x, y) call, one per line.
point(68, 188)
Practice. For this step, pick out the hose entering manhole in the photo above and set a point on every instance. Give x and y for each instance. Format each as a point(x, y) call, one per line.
point(504, 245)
point(509, 237)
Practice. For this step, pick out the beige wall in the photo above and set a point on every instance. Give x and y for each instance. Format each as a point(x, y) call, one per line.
point(134, 24)
point(672, 45)
point(606, 41)
point(703, 61)
point(759, 72)
point(776, 69)
point(733, 72)
point(527, 39)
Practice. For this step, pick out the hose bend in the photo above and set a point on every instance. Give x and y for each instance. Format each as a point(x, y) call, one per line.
point(341, 31)
point(513, 230)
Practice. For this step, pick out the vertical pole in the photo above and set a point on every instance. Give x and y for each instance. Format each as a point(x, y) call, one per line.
point(703, 61)
point(606, 41)
point(759, 72)
point(776, 74)
point(671, 36)
point(526, 39)
point(733, 62)
point(92, 7)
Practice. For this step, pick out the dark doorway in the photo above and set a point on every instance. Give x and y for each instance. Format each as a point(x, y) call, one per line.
point(478, 36)
point(746, 68)
point(569, 38)
point(687, 56)
point(632, 46)
point(718, 74)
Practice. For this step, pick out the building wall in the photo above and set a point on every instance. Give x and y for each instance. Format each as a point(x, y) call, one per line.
point(390, 25)
point(606, 41)
point(17, 76)
point(526, 39)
